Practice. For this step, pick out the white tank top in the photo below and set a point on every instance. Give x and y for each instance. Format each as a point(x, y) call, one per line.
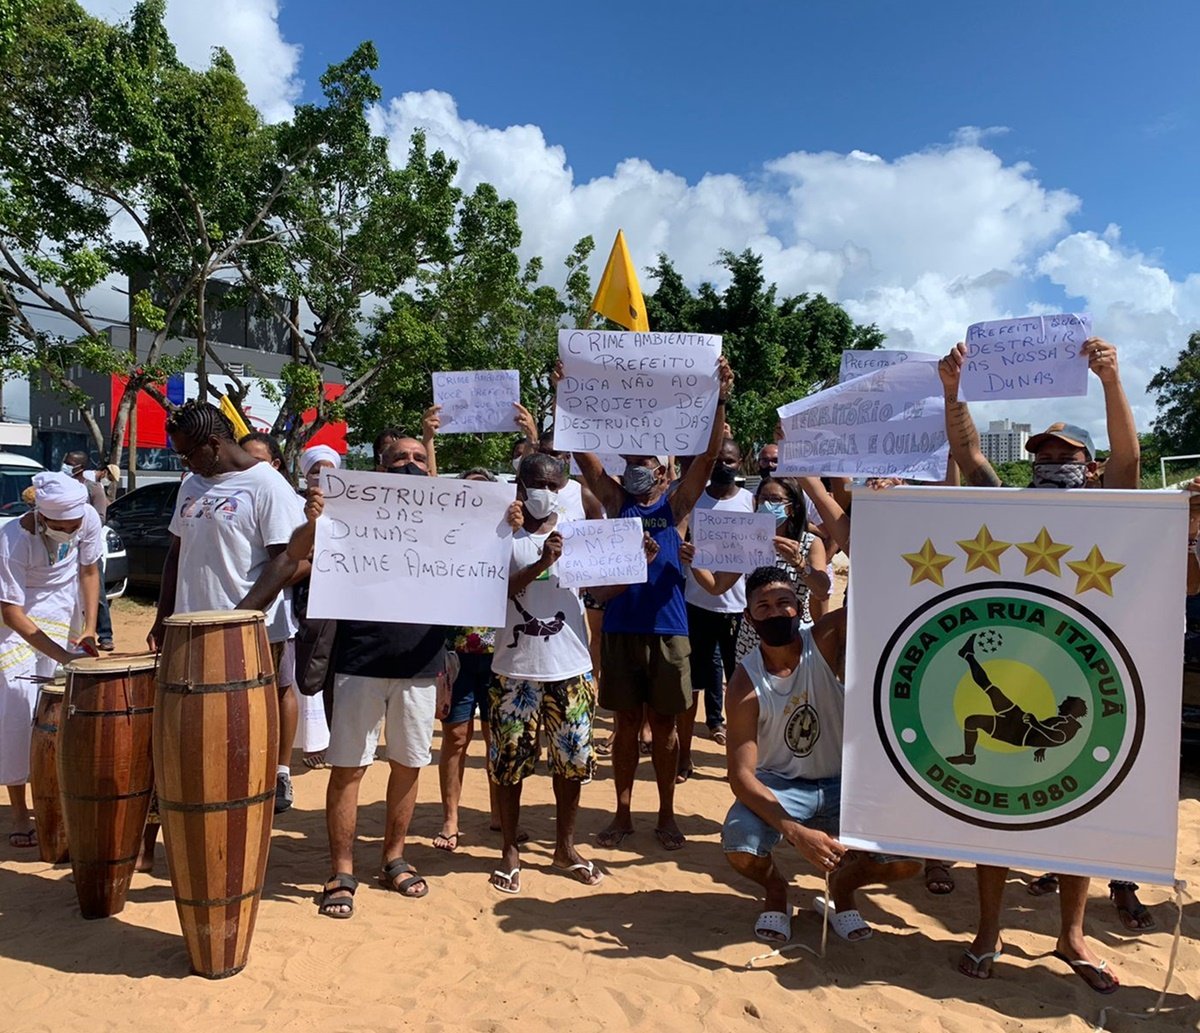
point(800, 716)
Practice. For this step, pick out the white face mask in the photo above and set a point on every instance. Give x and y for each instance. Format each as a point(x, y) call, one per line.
point(540, 502)
point(517, 464)
point(61, 541)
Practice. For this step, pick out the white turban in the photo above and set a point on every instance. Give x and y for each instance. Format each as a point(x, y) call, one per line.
point(318, 454)
point(59, 497)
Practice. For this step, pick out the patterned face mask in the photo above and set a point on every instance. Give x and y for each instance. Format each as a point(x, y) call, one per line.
point(1059, 475)
point(638, 480)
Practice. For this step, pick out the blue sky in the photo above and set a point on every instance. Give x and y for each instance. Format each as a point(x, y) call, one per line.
point(1100, 97)
point(927, 165)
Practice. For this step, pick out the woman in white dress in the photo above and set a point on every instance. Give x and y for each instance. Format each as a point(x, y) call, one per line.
point(49, 591)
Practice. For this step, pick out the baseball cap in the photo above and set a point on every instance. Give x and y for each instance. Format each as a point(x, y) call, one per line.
point(1068, 432)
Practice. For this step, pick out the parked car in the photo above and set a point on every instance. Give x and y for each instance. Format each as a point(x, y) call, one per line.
point(16, 474)
point(142, 518)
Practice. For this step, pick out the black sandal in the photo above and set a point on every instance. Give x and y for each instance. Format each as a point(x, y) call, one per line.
point(397, 867)
point(1043, 885)
point(339, 884)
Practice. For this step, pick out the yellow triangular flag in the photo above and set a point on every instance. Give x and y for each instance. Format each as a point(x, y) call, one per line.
point(233, 416)
point(619, 297)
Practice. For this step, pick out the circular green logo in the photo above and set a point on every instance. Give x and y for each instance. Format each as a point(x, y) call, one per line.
point(1008, 706)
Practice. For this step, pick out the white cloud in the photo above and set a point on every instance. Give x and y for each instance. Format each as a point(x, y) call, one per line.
point(248, 29)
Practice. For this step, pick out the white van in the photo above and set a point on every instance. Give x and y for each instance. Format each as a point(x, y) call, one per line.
point(16, 474)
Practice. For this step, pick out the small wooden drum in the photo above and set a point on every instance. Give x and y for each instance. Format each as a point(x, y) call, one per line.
point(43, 773)
point(216, 743)
point(105, 774)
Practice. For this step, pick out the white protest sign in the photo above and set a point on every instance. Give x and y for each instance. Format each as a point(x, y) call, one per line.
point(477, 401)
point(601, 552)
point(891, 423)
point(1031, 357)
point(412, 550)
point(636, 393)
point(858, 362)
point(729, 541)
point(613, 463)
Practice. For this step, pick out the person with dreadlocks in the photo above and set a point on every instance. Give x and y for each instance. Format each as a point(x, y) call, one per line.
point(232, 517)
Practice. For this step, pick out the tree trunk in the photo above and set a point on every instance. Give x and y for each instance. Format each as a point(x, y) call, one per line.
point(201, 345)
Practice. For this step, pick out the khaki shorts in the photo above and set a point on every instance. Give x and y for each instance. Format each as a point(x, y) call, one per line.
point(645, 669)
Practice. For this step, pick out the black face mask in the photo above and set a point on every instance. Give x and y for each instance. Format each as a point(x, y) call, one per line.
point(776, 631)
point(409, 468)
point(723, 475)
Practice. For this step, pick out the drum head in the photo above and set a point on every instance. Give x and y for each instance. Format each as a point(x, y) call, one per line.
point(132, 663)
point(215, 617)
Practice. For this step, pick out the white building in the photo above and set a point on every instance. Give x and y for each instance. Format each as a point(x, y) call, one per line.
point(1004, 441)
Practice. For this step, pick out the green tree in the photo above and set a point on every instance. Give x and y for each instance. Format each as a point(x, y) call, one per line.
point(1177, 395)
point(780, 350)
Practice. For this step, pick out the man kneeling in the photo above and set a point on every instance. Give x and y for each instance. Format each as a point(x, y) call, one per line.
point(784, 711)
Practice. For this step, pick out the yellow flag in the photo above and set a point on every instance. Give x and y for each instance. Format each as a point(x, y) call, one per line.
point(619, 297)
point(233, 416)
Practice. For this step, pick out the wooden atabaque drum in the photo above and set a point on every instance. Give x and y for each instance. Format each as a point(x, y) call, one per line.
point(216, 742)
point(104, 774)
point(43, 774)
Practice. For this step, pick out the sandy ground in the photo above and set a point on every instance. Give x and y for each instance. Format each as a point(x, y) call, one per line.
point(661, 944)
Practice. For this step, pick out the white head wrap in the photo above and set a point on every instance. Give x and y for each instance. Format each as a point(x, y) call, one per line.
point(59, 497)
point(318, 454)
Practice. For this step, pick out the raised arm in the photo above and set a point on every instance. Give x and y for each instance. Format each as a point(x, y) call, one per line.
point(833, 517)
point(430, 422)
point(973, 466)
point(1124, 466)
point(693, 483)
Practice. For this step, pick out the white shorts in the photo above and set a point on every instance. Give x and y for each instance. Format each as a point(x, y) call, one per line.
point(406, 705)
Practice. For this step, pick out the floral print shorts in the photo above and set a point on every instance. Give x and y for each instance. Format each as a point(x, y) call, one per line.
point(562, 710)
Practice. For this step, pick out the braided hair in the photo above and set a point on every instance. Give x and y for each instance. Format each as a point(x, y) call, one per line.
point(199, 421)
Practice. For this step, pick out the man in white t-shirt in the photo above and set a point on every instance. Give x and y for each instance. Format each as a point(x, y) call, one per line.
point(232, 517)
point(544, 680)
point(714, 620)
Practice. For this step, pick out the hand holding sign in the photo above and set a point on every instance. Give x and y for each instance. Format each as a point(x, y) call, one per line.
point(477, 401)
point(601, 552)
point(1030, 357)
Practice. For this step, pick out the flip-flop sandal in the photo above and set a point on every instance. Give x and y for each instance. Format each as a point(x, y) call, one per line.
point(774, 927)
point(718, 736)
point(23, 840)
point(684, 775)
point(670, 840)
point(944, 882)
point(510, 878)
point(582, 873)
point(396, 867)
point(1130, 917)
point(315, 761)
point(341, 883)
point(978, 961)
point(843, 922)
point(1043, 886)
point(603, 748)
point(613, 838)
point(645, 748)
point(1079, 967)
point(447, 841)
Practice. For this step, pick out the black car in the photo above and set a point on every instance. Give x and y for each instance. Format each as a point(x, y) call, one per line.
point(142, 518)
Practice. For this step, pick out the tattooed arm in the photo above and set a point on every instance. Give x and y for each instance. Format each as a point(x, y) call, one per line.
point(973, 466)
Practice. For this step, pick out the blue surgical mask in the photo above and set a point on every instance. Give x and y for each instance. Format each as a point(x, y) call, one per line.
point(777, 509)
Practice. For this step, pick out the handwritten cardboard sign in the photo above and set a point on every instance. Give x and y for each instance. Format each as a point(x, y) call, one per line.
point(412, 550)
point(601, 552)
point(891, 423)
point(731, 541)
point(636, 393)
point(477, 401)
point(860, 362)
point(1030, 357)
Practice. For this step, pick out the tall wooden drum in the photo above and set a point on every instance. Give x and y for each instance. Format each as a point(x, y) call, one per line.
point(216, 742)
point(43, 774)
point(104, 774)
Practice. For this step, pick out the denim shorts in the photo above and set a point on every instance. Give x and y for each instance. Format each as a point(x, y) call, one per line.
point(470, 688)
point(815, 805)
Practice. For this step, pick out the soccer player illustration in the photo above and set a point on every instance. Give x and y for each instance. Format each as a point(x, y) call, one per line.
point(1009, 723)
point(535, 627)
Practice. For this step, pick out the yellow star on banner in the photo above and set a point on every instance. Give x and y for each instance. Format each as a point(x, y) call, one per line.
point(983, 551)
point(927, 564)
point(1043, 553)
point(1095, 572)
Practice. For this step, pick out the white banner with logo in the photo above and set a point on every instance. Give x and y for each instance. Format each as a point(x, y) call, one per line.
point(1013, 678)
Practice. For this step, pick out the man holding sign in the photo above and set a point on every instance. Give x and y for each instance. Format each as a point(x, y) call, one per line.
point(645, 646)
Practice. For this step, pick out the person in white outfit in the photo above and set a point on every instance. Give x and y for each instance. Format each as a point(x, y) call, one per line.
point(49, 593)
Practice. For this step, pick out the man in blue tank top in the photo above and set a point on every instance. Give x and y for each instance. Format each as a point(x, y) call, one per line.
point(784, 714)
point(644, 645)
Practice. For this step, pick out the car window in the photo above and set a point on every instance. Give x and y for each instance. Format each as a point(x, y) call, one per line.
point(13, 481)
point(142, 504)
